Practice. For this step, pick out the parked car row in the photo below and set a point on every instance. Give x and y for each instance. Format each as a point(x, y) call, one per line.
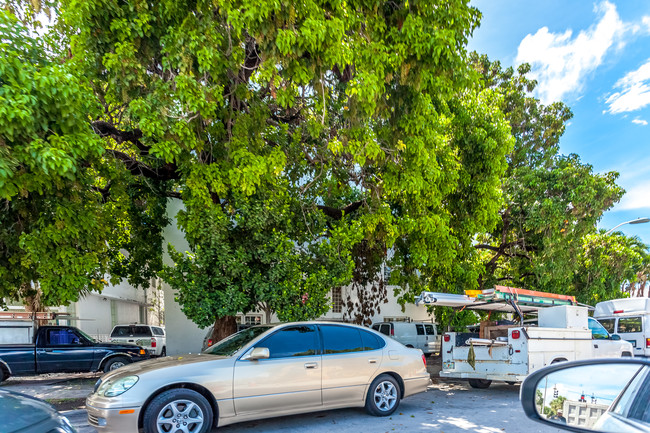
point(261, 372)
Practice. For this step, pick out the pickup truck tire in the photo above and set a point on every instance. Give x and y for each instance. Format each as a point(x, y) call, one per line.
point(178, 410)
point(115, 363)
point(479, 383)
point(163, 352)
point(383, 396)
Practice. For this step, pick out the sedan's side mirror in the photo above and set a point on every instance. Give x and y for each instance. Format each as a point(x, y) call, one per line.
point(616, 337)
point(256, 353)
point(598, 395)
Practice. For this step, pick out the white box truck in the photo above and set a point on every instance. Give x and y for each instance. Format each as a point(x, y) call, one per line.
point(629, 318)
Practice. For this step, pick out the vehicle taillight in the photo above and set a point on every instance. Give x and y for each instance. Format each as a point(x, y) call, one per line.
point(210, 342)
point(153, 342)
point(515, 334)
point(447, 338)
point(647, 343)
point(392, 332)
point(618, 311)
point(424, 359)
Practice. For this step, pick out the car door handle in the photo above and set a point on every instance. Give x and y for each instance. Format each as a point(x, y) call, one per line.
point(372, 361)
point(311, 365)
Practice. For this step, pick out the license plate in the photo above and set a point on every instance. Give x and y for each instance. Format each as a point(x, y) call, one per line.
point(447, 365)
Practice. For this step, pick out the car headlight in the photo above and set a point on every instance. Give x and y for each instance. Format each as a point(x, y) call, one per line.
point(112, 388)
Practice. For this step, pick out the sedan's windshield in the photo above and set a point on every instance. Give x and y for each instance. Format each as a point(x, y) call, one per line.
point(232, 344)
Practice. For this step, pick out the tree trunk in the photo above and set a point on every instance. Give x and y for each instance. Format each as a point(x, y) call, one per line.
point(32, 300)
point(223, 327)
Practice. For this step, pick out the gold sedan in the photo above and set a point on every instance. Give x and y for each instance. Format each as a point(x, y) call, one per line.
point(260, 372)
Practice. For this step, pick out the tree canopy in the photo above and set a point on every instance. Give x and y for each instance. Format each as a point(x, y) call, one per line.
point(547, 238)
point(313, 145)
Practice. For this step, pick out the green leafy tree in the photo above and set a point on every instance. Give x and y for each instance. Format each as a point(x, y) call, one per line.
point(356, 126)
point(552, 201)
point(60, 230)
point(608, 266)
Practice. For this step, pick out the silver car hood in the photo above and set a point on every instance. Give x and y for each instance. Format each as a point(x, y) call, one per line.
point(142, 367)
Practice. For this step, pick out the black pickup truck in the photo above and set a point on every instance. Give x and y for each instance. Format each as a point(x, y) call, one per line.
point(61, 349)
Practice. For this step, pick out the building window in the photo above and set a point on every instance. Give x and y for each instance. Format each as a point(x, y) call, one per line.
point(337, 300)
point(113, 313)
point(252, 320)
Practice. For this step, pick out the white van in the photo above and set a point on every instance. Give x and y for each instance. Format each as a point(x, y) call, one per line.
point(423, 336)
point(629, 318)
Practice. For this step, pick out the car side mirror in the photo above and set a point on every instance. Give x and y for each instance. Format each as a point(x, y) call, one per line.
point(256, 353)
point(616, 337)
point(597, 395)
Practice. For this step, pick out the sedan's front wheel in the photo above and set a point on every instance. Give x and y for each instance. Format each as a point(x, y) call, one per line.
point(178, 410)
point(383, 396)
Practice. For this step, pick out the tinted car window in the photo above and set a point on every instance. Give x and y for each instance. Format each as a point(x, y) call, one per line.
point(141, 331)
point(121, 331)
point(608, 324)
point(420, 329)
point(385, 329)
point(158, 331)
point(430, 330)
point(292, 341)
point(62, 337)
point(340, 339)
point(597, 330)
point(629, 324)
point(371, 341)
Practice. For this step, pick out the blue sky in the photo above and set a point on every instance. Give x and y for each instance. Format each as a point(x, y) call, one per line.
point(595, 57)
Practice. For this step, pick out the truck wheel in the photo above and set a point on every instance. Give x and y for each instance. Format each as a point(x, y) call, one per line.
point(182, 410)
point(480, 383)
point(115, 363)
point(3, 376)
point(163, 352)
point(383, 396)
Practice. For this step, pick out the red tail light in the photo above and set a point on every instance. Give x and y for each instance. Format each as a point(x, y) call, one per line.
point(392, 332)
point(153, 342)
point(210, 342)
point(647, 343)
point(515, 334)
point(424, 359)
point(618, 311)
point(447, 338)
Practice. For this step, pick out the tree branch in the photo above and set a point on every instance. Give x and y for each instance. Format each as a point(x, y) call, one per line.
point(168, 171)
point(337, 214)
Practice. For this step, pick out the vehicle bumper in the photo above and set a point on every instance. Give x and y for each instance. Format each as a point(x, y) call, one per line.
point(416, 385)
point(118, 420)
point(483, 375)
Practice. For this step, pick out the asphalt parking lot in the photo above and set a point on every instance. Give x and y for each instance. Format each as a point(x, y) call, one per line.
point(449, 406)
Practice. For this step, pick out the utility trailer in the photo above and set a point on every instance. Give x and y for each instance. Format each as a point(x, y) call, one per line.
point(510, 353)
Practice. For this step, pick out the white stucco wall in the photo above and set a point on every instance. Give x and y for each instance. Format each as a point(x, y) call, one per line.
point(183, 336)
point(389, 311)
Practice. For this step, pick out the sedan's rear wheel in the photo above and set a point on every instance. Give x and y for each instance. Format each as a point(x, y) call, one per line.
point(178, 410)
point(383, 396)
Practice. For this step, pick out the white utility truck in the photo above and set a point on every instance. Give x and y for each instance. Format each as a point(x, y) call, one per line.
point(629, 318)
point(510, 352)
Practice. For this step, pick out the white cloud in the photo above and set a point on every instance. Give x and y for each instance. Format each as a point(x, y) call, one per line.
point(636, 198)
point(634, 93)
point(640, 122)
point(560, 61)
